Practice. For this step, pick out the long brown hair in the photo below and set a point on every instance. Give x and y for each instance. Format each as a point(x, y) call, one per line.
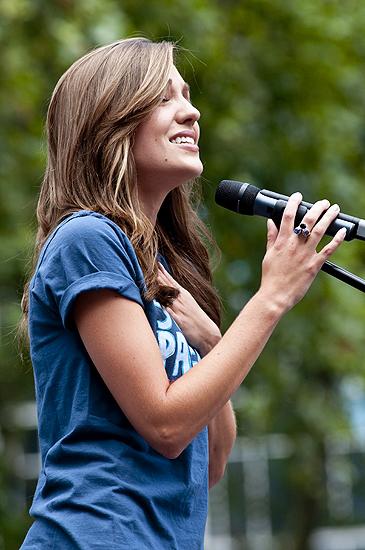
point(92, 118)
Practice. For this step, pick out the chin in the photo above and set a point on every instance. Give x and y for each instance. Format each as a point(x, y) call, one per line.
point(197, 172)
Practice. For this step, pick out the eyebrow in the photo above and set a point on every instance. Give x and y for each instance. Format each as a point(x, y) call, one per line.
point(186, 87)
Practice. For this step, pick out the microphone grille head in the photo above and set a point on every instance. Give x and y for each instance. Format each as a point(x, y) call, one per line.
point(227, 193)
point(236, 196)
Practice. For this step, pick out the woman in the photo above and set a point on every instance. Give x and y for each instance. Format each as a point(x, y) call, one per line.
point(121, 307)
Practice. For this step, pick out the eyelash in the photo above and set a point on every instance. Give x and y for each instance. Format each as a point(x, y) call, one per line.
point(167, 99)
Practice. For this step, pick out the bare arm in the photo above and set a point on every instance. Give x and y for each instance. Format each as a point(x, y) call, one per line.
point(122, 346)
point(221, 434)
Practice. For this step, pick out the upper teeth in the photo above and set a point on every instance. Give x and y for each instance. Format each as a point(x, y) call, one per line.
point(183, 139)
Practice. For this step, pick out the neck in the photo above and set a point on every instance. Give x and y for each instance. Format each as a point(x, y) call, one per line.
point(151, 206)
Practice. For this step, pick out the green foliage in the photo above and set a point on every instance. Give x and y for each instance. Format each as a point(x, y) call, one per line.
point(280, 85)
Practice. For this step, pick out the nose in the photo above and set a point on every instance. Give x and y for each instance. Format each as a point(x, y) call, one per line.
point(187, 112)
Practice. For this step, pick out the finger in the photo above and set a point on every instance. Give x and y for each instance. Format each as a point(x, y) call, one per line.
point(161, 270)
point(287, 222)
point(164, 270)
point(164, 278)
point(319, 228)
point(168, 278)
point(174, 314)
point(315, 212)
point(331, 247)
point(272, 233)
point(328, 217)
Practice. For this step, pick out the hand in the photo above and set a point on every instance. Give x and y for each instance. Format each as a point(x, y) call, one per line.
point(199, 329)
point(291, 261)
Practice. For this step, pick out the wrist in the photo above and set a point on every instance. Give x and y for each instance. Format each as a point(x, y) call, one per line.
point(272, 304)
point(209, 342)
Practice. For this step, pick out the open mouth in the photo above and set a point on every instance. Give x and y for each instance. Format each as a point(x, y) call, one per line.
point(183, 139)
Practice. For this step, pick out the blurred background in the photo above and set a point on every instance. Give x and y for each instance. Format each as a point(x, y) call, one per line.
point(281, 88)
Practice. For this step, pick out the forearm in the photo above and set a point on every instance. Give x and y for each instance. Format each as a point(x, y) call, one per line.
point(221, 433)
point(168, 416)
point(197, 397)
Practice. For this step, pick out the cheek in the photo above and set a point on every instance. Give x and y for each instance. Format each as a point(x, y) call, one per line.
point(142, 146)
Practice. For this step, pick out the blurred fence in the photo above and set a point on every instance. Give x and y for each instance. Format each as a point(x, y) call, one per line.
point(250, 507)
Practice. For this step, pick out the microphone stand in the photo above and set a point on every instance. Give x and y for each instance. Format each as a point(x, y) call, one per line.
point(343, 275)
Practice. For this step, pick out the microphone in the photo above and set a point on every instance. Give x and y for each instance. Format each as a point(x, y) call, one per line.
point(245, 198)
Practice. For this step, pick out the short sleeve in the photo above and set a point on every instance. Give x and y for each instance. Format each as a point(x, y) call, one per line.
point(86, 252)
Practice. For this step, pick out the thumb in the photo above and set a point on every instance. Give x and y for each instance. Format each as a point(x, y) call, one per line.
point(272, 233)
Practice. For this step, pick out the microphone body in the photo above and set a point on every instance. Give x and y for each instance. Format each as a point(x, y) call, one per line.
point(245, 198)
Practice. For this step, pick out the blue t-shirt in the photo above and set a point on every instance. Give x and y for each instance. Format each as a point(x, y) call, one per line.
point(101, 484)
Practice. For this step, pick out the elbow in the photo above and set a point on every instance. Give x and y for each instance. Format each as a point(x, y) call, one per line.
point(216, 472)
point(168, 442)
point(171, 452)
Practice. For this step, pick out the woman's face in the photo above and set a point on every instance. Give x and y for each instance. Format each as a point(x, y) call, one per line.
point(166, 148)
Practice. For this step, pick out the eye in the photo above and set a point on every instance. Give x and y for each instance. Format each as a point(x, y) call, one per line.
point(165, 99)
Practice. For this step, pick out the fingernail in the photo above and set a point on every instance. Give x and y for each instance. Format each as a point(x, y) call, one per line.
point(336, 208)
